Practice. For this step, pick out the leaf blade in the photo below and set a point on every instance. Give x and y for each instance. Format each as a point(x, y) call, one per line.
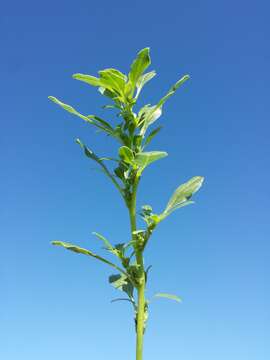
point(182, 195)
point(80, 250)
point(169, 296)
point(144, 159)
point(157, 109)
point(139, 65)
point(142, 80)
point(69, 109)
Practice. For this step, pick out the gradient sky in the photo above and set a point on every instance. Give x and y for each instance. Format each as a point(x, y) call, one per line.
point(215, 254)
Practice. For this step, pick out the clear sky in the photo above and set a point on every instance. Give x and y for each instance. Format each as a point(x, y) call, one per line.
point(215, 254)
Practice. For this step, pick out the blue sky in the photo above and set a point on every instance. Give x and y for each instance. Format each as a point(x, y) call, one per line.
point(214, 254)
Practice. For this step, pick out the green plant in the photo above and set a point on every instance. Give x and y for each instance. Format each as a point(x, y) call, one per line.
point(133, 136)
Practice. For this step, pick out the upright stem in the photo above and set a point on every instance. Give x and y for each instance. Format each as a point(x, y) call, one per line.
point(141, 286)
point(140, 315)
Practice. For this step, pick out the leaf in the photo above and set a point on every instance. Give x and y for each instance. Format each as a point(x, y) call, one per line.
point(80, 250)
point(168, 296)
point(151, 136)
point(101, 121)
point(110, 94)
point(144, 159)
point(106, 242)
point(172, 90)
point(122, 299)
point(89, 153)
point(101, 124)
point(149, 114)
point(155, 111)
point(139, 65)
point(122, 283)
point(126, 154)
point(69, 108)
point(181, 196)
point(91, 80)
point(113, 79)
point(143, 79)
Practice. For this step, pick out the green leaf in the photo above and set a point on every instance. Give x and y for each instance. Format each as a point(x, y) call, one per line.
point(168, 296)
point(122, 283)
point(123, 299)
point(154, 112)
point(139, 65)
point(147, 116)
point(143, 79)
point(126, 154)
point(101, 124)
point(106, 242)
point(110, 94)
point(69, 108)
point(181, 196)
point(91, 80)
point(113, 79)
point(144, 159)
point(80, 250)
point(89, 153)
point(151, 136)
point(172, 90)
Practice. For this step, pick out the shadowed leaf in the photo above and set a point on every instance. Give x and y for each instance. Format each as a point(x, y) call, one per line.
point(126, 154)
point(122, 283)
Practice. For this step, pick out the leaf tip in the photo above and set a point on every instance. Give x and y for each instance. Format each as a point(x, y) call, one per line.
point(78, 141)
point(145, 50)
point(55, 242)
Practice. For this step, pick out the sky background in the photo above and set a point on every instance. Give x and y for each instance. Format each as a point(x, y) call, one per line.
point(215, 254)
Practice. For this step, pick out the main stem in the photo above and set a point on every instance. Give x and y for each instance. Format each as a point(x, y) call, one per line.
point(141, 286)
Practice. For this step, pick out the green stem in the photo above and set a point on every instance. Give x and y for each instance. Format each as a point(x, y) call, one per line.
point(140, 315)
point(141, 286)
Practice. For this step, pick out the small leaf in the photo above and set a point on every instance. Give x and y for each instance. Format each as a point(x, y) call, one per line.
point(147, 116)
point(126, 154)
point(122, 283)
point(122, 299)
point(110, 94)
point(172, 90)
point(144, 159)
point(154, 112)
point(139, 65)
point(143, 79)
point(89, 153)
point(168, 296)
point(69, 108)
point(105, 241)
point(101, 121)
point(181, 196)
